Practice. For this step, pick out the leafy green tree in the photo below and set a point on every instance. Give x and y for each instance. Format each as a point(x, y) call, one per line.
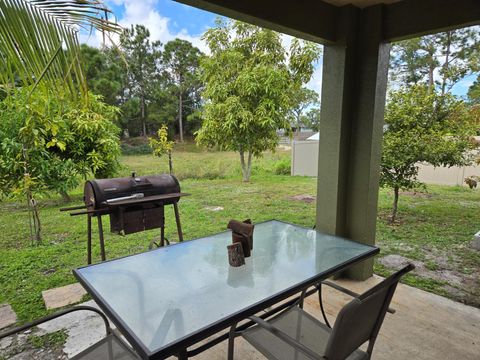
point(249, 81)
point(162, 146)
point(302, 100)
point(474, 92)
point(312, 119)
point(143, 59)
point(440, 60)
point(181, 62)
point(422, 126)
point(105, 72)
point(56, 141)
point(39, 44)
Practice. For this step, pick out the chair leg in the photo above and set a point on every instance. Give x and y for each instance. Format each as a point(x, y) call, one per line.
point(231, 342)
point(319, 288)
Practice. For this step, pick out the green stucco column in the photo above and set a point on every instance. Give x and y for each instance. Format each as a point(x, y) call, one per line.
point(353, 99)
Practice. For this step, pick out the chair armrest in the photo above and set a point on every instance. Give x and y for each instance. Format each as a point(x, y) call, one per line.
point(287, 338)
point(54, 316)
point(349, 292)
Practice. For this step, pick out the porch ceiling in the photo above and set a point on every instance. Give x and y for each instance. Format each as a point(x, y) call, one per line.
point(317, 20)
point(360, 3)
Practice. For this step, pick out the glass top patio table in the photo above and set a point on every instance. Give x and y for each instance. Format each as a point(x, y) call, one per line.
point(169, 298)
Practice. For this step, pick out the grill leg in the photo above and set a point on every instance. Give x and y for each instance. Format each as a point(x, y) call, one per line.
point(89, 239)
point(177, 219)
point(100, 233)
point(162, 233)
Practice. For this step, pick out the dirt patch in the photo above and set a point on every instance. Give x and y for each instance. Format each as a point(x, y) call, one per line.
point(452, 278)
point(305, 198)
point(416, 194)
point(25, 346)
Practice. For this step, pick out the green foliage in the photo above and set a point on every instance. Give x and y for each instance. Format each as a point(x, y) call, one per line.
point(181, 61)
point(422, 126)
point(303, 99)
point(142, 57)
point(55, 140)
point(142, 149)
point(248, 87)
point(38, 41)
point(474, 92)
point(105, 72)
point(440, 60)
point(162, 146)
point(50, 340)
point(282, 167)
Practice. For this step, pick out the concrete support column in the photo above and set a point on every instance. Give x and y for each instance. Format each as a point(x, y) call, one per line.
point(353, 100)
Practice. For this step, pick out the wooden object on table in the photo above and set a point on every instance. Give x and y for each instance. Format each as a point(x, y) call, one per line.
point(242, 239)
point(244, 228)
point(235, 255)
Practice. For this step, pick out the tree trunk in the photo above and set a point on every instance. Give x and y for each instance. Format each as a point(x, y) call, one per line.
point(142, 108)
point(246, 167)
point(180, 115)
point(65, 196)
point(395, 204)
point(35, 226)
point(446, 64)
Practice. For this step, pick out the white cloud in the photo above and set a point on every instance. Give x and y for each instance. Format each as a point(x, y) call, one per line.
point(145, 13)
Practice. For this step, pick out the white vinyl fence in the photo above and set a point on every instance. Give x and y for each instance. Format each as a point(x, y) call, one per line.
point(305, 163)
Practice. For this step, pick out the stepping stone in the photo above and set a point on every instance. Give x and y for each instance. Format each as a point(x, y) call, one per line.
point(7, 316)
point(213, 208)
point(63, 296)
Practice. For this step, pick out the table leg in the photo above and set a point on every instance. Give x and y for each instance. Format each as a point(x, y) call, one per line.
point(182, 355)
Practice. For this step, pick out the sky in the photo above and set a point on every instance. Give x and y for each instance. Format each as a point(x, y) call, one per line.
point(167, 20)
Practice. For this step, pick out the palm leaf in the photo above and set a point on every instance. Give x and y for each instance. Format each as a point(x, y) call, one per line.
point(39, 41)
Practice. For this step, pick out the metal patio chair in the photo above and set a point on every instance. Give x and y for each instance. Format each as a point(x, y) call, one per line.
point(111, 347)
point(295, 334)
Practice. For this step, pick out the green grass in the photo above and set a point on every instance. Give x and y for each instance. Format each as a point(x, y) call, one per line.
point(437, 226)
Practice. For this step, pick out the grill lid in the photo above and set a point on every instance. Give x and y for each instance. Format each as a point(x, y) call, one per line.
point(97, 192)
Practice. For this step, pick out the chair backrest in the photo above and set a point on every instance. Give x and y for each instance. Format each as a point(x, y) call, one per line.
point(361, 319)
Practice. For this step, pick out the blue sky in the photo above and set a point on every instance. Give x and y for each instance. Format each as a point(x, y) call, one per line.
point(167, 19)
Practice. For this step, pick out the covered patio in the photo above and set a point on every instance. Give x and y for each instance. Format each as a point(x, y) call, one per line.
point(357, 36)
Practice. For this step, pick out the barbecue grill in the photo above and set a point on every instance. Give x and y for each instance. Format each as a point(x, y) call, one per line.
point(134, 204)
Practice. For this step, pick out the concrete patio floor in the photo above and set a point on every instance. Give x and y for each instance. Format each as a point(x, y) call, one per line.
point(425, 326)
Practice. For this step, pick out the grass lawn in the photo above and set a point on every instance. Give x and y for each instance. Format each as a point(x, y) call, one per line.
point(435, 228)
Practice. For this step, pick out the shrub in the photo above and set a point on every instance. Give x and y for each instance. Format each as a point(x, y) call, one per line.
point(282, 167)
point(143, 149)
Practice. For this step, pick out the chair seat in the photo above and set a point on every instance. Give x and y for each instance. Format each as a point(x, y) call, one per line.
point(109, 348)
point(299, 325)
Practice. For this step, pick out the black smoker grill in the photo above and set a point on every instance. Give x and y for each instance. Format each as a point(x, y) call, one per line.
point(135, 203)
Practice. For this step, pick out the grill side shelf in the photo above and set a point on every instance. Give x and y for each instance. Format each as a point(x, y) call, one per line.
point(146, 199)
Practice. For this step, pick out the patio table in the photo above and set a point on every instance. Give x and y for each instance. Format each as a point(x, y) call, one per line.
point(168, 299)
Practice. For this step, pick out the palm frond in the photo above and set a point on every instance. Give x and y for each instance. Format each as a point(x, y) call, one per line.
point(39, 40)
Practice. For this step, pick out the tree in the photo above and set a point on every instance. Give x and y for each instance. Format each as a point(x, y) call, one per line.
point(249, 81)
point(39, 43)
point(474, 92)
point(105, 73)
point(440, 60)
point(162, 146)
point(312, 119)
point(302, 100)
point(58, 139)
point(422, 126)
point(181, 61)
point(143, 59)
